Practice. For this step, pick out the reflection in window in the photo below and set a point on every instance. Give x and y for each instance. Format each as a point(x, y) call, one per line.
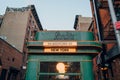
point(59, 71)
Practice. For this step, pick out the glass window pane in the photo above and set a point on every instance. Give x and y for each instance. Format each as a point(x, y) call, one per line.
point(59, 71)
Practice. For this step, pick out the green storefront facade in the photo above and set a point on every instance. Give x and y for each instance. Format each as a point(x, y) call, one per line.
point(75, 49)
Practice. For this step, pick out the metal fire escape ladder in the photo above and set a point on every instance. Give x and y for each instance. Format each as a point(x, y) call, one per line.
point(114, 20)
point(109, 31)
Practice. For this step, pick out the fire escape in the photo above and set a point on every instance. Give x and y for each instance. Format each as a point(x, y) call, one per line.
point(108, 30)
point(103, 20)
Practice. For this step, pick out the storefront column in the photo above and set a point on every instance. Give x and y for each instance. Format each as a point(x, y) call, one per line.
point(32, 70)
point(86, 67)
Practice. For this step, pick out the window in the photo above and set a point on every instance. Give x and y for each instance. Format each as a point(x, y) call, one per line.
point(13, 59)
point(30, 16)
point(59, 70)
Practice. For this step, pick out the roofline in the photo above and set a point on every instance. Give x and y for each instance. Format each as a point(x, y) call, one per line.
point(32, 9)
point(34, 12)
point(11, 45)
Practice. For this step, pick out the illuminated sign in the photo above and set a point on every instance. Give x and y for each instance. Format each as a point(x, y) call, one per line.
point(60, 50)
point(58, 43)
point(60, 46)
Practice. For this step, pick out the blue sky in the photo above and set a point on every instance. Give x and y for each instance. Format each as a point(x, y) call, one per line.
point(53, 14)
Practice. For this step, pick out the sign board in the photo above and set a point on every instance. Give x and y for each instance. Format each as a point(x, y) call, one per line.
point(64, 35)
point(60, 43)
point(60, 50)
point(117, 24)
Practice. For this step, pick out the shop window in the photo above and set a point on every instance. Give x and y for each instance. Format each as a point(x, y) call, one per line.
point(59, 71)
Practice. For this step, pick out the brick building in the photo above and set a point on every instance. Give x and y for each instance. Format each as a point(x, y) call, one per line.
point(10, 62)
point(108, 61)
point(18, 26)
point(85, 24)
point(23, 21)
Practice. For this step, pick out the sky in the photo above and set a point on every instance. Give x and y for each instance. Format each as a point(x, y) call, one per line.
point(53, 14)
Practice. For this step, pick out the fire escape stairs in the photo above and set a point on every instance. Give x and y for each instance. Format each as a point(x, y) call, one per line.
point(104, 4)
point(109, 33)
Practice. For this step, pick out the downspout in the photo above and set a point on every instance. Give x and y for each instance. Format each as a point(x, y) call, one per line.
point(98, 21)
point(100, 35)
point(113, 16)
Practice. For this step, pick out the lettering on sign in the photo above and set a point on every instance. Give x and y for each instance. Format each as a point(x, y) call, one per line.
point(50, 44)
point(64, 36)
point(61, 50)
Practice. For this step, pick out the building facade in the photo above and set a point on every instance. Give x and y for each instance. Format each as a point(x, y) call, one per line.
point(104, 30)
point(82, 23)
point(1, 18)
point(18, 26)
point(86, 24)
point(74, 49)
point(10, 62)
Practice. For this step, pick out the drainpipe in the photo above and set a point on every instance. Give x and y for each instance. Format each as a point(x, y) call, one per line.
point(100, 35)
point(113, 16)
point(98, 21)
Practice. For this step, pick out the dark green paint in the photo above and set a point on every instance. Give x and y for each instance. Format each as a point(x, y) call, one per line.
point(59, 73)
point(79, 43)
point(91, 47)
point(32, 70)
point(87, 70)
point(34, 61)
point(52, 58)
point(86, 46)
point(64, 35)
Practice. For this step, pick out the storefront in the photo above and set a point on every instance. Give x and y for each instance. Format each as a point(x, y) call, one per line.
point(66, 58)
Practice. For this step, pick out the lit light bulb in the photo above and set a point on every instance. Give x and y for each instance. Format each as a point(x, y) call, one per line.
point(60, 67)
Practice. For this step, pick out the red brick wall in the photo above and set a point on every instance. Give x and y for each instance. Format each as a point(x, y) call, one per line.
point(116, 68)
point(105, 18)
point(10, 56)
